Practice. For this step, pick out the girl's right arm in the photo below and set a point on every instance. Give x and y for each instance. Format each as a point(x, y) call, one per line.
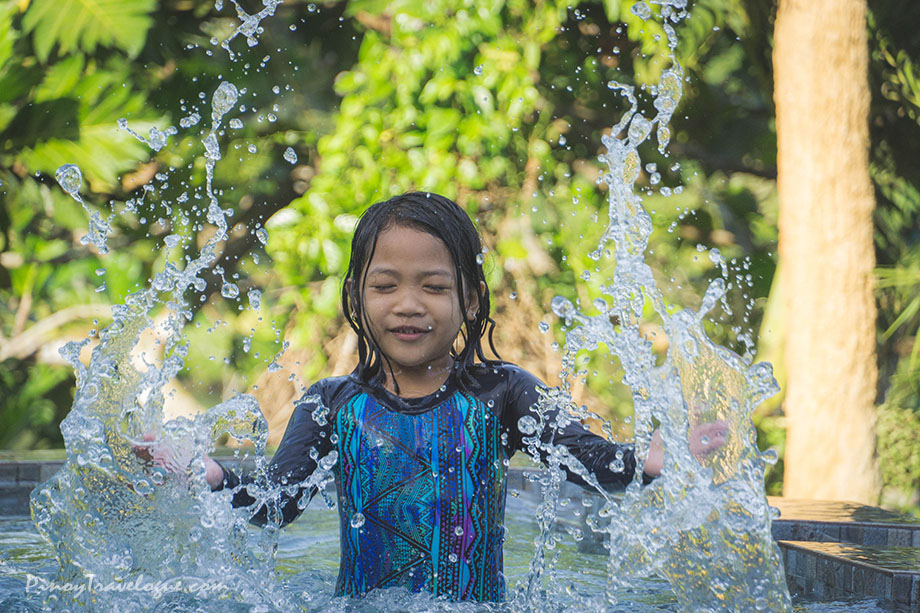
point(305, 441)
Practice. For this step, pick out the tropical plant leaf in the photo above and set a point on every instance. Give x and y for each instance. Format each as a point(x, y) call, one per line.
point(7, 34)
point(92, 140)
point(86, 24)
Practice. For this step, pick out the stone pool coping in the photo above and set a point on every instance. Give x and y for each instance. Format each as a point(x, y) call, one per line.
point(830, 549)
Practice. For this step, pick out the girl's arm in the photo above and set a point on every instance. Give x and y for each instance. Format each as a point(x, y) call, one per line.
point(612, 464)
point(305, 442)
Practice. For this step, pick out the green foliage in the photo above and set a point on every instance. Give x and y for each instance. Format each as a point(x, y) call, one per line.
point(895, 132)
point(86, 24)
point(500, 104)
point(30, 415)
point(898, 432)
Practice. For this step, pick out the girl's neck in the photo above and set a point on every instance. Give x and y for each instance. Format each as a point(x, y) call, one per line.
point(417, 383)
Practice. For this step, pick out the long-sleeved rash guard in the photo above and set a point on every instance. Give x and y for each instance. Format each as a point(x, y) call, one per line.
point(421, 482)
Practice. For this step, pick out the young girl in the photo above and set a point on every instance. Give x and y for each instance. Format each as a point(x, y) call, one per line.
point(424, 427)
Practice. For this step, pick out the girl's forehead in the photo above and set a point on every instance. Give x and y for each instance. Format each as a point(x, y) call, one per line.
point(401, 247)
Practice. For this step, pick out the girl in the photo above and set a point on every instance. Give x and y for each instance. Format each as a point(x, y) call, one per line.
point(424, 427)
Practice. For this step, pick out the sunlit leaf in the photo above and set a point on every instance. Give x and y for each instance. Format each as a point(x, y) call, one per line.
point(86, 24)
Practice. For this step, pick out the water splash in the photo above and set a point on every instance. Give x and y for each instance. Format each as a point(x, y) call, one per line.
point(704, 524)
point(70, 178)
point(110, 517)
point(113, 519)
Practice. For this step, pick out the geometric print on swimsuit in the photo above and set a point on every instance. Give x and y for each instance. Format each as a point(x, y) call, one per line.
point(421, 499)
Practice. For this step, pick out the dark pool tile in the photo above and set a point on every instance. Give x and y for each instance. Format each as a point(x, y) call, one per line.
point(820, 567)
point(789, 560)
point(900, 588)
point(851, 534)
point(29, 472)
point(847, 581)
point(879, 585)
point(8, 472)
point(874, 536)
point(831, 532)
point(14, 500)
point(859, 580)
point(899, 537)
point(818, 589)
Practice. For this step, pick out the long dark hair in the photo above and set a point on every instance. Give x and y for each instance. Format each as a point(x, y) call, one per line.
point(444, 219)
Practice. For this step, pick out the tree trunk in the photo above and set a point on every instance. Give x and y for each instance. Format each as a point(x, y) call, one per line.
point(825, 244)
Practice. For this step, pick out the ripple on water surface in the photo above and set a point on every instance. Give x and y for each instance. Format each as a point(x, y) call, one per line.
point(307, 565)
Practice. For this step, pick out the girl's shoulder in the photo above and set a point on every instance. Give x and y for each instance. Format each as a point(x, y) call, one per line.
point(331, 390)
point(506, 374)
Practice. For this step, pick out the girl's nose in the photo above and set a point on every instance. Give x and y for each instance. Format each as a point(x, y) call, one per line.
point(409, 304)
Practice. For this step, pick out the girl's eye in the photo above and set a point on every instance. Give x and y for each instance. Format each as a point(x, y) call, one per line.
point(438, 288)
point(382, 288)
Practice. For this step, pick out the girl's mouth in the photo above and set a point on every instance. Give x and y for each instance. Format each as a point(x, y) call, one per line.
point(407, 333)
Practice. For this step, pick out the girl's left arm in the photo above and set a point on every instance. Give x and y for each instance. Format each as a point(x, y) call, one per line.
point(612, 464)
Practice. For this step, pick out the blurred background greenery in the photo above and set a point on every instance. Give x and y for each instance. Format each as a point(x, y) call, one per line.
point(500, 104)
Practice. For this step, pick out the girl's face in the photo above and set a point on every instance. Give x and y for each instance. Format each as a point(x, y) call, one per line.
point(411, 306)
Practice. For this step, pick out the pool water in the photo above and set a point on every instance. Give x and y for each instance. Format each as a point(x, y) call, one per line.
point(312, 542)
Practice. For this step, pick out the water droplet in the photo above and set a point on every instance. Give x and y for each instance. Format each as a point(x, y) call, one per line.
point(262, 235)
point(562, 140)
point(641, 10)
point(479, 259)
point(191, 120)
point(290, 155)
point(251, 148)
point(770, 456)
point(453, 558)
point(478, 70)
point(527, 425)
point(255, 299)
point(236, 123)
point(229, 290)
point(172, 240)
point(544, 327)
point(70, 178)
point(639, 129)
point(562, 307)
point(357, 520)
point(458, 531)
point(211, 148)
point(224, 99)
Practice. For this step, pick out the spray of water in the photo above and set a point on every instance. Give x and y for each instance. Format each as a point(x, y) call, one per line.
point(112, 519)
point(704, 524)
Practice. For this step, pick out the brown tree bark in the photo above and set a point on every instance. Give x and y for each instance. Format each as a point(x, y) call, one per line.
point(825, 244)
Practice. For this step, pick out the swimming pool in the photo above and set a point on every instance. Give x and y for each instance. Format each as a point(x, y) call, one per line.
point(306, 566)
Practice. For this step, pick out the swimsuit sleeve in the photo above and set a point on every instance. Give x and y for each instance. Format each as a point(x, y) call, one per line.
point(612, 464)
point(293, 462)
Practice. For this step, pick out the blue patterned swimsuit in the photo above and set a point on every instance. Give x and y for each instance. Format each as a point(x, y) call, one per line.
point(421, 482)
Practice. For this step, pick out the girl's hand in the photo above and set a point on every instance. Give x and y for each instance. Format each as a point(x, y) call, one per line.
point(704, 439)
point(165, 457)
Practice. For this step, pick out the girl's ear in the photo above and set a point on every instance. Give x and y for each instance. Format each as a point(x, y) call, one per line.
point(472, 308)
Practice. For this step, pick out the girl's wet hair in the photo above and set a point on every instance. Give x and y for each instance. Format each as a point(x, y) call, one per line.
point(444, 219)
